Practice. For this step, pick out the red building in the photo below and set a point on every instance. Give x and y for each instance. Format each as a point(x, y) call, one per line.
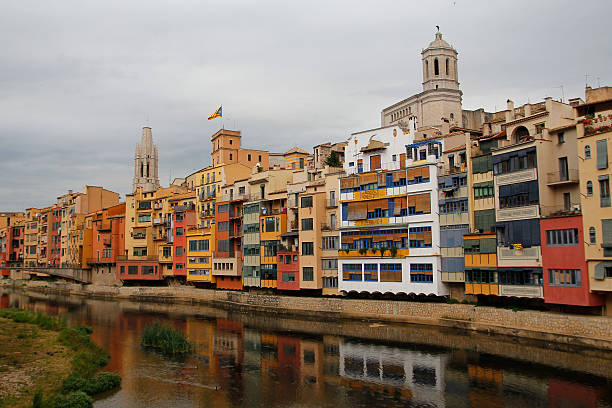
point(227, 257)
point(288, 270)
point(130, 269)
point(108, 240)
point(566, 278)
point(14, 240)
point(55, 235)
point(183, 216)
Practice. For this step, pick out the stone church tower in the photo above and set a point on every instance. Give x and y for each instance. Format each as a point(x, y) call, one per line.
point(440, 100)
point(145, 163)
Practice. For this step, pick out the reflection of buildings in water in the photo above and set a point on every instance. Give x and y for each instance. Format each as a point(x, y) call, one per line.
point(4, 301)
point(228, 356)
point(415, 374)
point(486, 388)
point(569, 394)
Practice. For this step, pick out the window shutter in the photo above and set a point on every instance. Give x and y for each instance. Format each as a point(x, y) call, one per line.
point(600, 272)
point(602, 154)
point(606, 231)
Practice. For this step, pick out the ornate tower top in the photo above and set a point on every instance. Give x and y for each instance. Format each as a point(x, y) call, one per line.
point(440, 65)
point(145, 163)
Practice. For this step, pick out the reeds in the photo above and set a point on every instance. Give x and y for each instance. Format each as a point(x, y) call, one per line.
point(166, 340)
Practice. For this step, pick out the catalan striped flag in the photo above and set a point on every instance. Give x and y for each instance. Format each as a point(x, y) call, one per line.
point(218, 113)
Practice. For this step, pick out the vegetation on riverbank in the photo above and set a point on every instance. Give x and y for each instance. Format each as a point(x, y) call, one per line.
point(166, 339)
point(83, 357)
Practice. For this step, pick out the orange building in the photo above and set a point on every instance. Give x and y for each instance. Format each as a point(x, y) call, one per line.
point(226, 149)
point(108, 241)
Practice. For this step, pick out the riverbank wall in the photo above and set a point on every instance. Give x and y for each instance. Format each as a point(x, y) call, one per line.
point(575, 330)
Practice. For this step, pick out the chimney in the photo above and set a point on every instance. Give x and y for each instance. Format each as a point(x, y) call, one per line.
point(527, 109)
point(548, 103)
point(509, 111)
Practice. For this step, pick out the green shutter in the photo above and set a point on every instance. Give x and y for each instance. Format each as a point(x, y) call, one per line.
point(606, 231)
point(488, 246)
point(602, 154)
point(600, 272)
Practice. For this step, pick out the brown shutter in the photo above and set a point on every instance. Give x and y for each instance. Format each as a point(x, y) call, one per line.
point(375, 162)
point(382, 180)
point(403, 161)
point(397, 176)
point(368, 178)
point(425, 172)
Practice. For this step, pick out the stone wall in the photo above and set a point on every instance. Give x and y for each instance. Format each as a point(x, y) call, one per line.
point(580, 330)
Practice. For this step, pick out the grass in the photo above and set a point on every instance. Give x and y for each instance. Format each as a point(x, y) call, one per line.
point(166, 340)
point(87, 358)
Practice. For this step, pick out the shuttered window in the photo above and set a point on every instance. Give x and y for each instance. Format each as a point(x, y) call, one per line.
point(606, 232)
point(602, 154)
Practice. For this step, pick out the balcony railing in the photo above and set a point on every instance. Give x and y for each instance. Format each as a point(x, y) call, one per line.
point(562, 177)
point(158, 221)
point(140, 236)
point(160, 237)
point(328, 227)
point(560, 210)
point(137, 258)
point(331, 203)
point(106, 241)
point(273, 211)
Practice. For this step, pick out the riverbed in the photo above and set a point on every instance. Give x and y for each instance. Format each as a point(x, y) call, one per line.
point(255, 359)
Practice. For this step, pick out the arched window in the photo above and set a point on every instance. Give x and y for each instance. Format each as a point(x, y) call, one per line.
point(426, 69)
point(587, 152)
point(436, 68)
point(447, 66)
point(452, 116)
point(589, 188)
point(592, 235)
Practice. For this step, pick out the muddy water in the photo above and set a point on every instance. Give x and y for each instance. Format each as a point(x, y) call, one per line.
point(262, 360)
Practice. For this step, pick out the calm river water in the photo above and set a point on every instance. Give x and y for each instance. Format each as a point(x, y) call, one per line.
point(259, 360)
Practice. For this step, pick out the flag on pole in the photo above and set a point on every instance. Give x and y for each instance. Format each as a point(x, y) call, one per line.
point(217, 114)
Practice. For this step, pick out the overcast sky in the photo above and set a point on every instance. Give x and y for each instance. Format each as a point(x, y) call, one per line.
point(79, 79)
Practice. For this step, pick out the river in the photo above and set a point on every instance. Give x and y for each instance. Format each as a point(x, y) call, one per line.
point(263, 360)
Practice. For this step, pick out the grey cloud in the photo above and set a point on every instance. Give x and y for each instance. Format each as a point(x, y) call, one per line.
point(79, 79)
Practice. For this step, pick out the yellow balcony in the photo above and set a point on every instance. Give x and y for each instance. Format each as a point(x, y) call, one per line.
point(268, 283)
point(482, 289)
point(401, 253)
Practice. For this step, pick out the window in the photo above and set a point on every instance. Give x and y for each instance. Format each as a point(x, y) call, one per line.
point(270, 224)
point(308, 274)
point(421, 272)
point(483, 190)
point(351, 272)
point(525, 277)
point(602, 154)
point(122, 270)
point(144, 218)
point(288, 277)
point(562, 237)
point(454, 207)
point(604, 191)
point(560, 137)
point(370, 272)
point(330, 243)
point(329, 264)
point(592, 235)
point(564, 277)
point(391, 272)
point(179, 231)
point(436, 67)
point(198, 245)
point(587, 152)
point(306, 202)
point(147, 269)
point(231, 156)
point(179, 251)
point(307, 224)
point(307, 248)
point(140, 251)
point(223, 226)
point(249, 157)
point(223, 208)
point(589, 188)
point(132, 270)
point(259, 158)
point(420, 237)
point(539, 127)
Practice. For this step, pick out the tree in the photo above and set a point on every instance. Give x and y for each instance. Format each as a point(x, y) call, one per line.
point(333, 160)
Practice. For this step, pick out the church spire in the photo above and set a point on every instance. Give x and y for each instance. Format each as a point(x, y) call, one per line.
point(145, 163)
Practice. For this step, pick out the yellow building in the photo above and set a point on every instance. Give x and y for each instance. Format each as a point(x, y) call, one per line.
point(594, 129)
point(31, 237)
point(297, 158)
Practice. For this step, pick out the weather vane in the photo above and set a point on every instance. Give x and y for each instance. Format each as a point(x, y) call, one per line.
point(438, 28)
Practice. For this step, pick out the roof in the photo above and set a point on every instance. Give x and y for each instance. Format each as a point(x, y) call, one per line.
point(438, 42)
point(558, 128)
point(455, 149)
point(297, 150)
point(373, 145)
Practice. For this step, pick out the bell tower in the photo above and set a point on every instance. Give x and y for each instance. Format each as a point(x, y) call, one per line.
point(439, 65)
point(145, 163)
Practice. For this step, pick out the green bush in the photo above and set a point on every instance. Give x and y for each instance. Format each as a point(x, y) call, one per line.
point(166, 339)
point(37, 401)
point(451, 301)
point(101, 382)
point(39, 319)
point(77, 399)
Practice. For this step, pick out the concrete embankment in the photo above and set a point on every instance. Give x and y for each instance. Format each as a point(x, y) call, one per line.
point(575, 330)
